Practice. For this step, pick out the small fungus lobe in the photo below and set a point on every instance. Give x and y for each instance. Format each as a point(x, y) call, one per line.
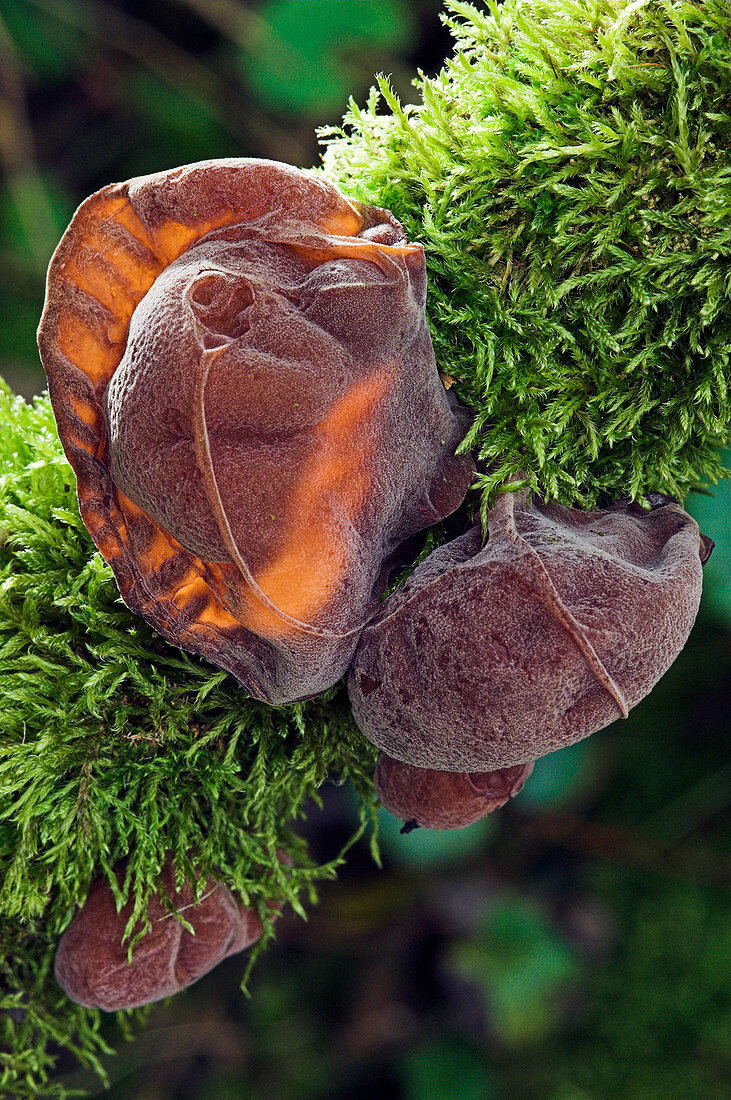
point(92, 964)
point(436, 799)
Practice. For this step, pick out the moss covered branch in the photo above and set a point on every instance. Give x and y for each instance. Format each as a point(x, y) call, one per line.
point(569, 174)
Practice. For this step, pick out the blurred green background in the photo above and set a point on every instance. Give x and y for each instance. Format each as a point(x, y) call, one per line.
point(578, 945)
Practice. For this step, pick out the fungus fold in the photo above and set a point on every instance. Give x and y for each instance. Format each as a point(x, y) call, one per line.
point(243, 380)
point(496, 652)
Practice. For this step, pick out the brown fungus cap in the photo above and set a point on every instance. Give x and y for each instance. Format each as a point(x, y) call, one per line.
point(494, 655)
point(92, 963)
point(434, 799)
point(244, 384)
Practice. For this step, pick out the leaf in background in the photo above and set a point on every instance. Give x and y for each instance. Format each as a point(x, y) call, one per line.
point(23, 232)
point(521, 966)
point(19, 363)
point(34, 211)
point(444, 1068)
point(307, 61)
point(49, 47)
point(430, 848)
point(184, 126)
point(562, 777)
point(713, 515)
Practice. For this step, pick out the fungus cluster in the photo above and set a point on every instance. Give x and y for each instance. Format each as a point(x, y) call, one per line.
point(244, 383)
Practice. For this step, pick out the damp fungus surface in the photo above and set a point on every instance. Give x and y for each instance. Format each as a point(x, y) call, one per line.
point(495, 653)
point(245, 386)
point(92, 965)
point(434, 799)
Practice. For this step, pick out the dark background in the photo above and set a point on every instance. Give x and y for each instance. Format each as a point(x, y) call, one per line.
point(578, 945)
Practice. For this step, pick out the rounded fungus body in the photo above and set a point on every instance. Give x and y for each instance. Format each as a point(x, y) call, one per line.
point(434, 799)
point(92, 964)
point(495, 653)
point(244, 382)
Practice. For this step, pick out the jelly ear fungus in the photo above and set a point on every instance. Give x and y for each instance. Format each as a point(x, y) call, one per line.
point(497, 652)
point(433, 799)
point(244, 383)
point(92, 964)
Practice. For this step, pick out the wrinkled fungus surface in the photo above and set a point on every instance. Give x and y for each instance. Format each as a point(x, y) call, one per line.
point(495, 654)
point(92, 964)
point(244, 383)
point(436, 799)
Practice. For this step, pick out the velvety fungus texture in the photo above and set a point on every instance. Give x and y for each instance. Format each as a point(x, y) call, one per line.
point(436, 799)
point(92, 964)
point(495, 653)
point(243, 380)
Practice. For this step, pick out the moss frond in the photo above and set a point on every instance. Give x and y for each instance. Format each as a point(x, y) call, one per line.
point(569, 175)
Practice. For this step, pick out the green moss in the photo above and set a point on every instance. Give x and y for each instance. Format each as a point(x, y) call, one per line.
point(114, 742)
point(569, 174)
